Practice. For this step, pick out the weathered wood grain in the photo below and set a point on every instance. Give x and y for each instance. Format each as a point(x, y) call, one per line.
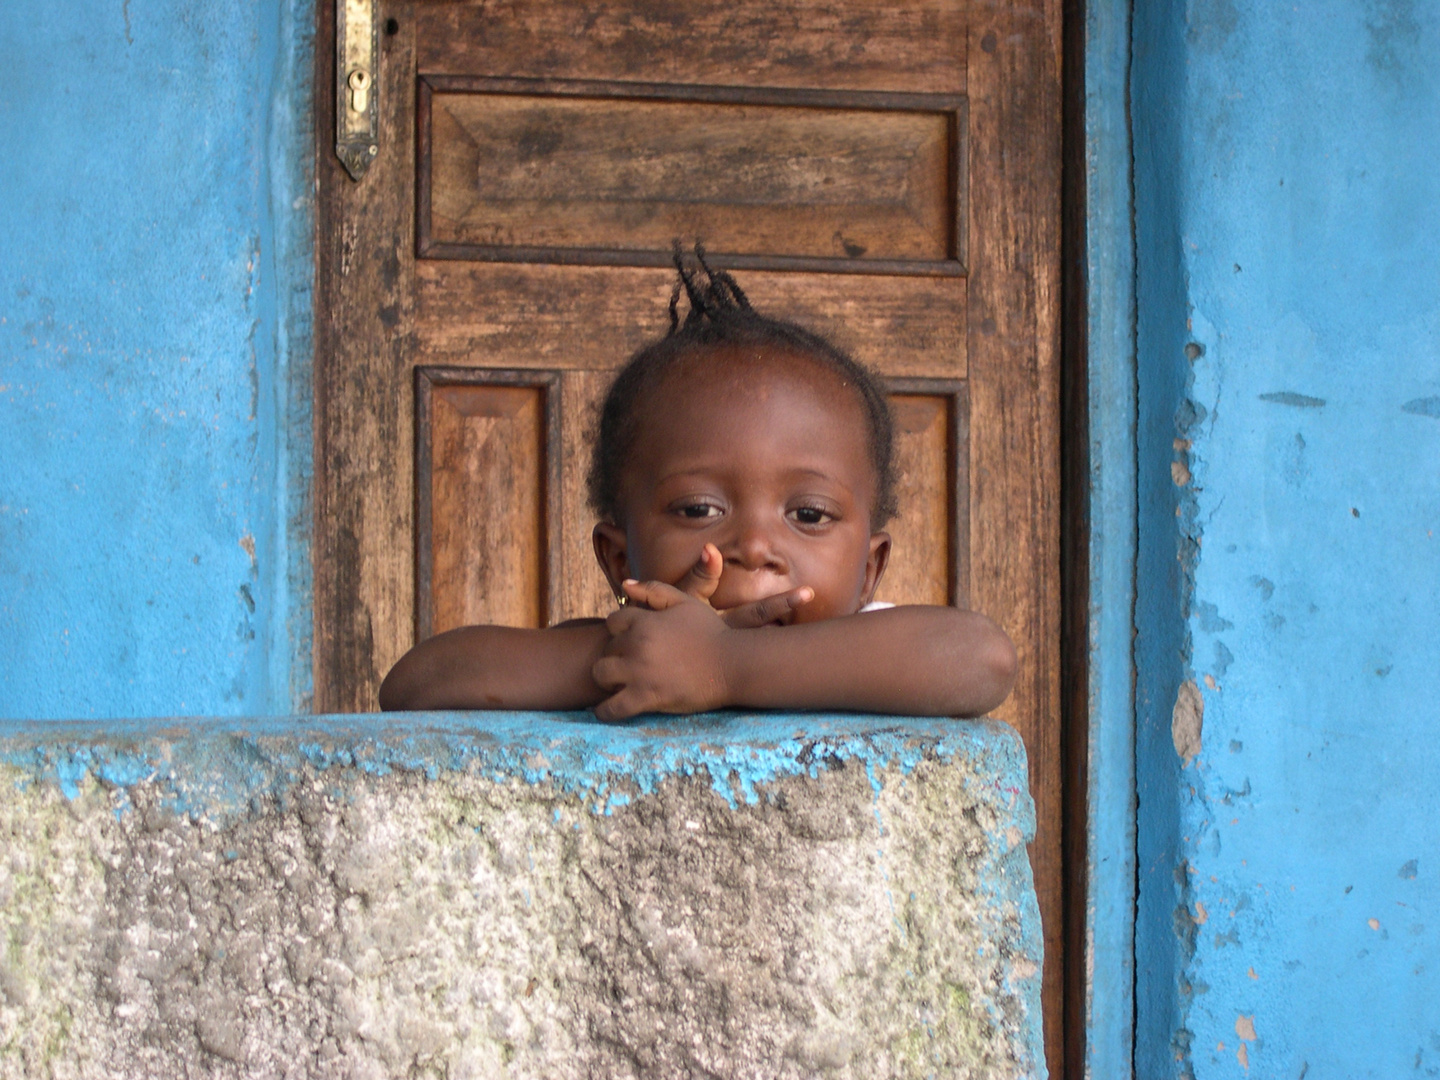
point(487, 533)
point(543, 171)
point(487, 496)
point(581, 591)
point(930, 562)
point(832, 44)
point(1014, 351)
point(593, 318)
point(364, 327)
point(921, 570)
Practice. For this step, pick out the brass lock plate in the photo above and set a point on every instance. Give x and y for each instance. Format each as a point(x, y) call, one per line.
point(357, 78)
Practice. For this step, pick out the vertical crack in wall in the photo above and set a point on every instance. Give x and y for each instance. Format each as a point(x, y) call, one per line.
point(1169, 731)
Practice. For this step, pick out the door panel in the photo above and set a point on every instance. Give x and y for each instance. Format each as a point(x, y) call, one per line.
point(606, 172)
point(484, 456)
point(886, 175)
point(931, 533)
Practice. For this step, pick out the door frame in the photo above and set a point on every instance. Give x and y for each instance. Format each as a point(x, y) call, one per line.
point(1098, 522)
point(1099, 541)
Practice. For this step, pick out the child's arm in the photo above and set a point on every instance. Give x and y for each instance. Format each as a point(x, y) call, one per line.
point(504, 667)
point(500, 667)
point(681, 657)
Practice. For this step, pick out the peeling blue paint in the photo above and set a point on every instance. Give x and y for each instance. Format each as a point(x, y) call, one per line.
point(1289, 397)
point(1279, 468)
point(233, 776)
point(218, 767)
point(227, 770)
point(1426, 406)
point(1169, 531)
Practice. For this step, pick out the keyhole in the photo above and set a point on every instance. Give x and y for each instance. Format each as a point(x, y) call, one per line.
point(359, 83)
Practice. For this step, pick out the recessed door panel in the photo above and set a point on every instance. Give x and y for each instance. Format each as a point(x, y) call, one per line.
point(613, 172)
point(482, 528)
point(930, 556)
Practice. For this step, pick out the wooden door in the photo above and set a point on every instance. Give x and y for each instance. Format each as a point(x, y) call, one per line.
point(888, 174)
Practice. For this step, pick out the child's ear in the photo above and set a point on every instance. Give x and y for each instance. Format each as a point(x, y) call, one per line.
point(875, 565)
point(610, 552)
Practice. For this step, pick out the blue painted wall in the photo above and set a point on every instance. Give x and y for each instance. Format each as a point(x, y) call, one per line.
point(1287, 210)
point(155, 276)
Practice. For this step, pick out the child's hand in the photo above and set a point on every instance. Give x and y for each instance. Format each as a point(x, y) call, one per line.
point(667, 649)
point(704, 578)
point(665, 656)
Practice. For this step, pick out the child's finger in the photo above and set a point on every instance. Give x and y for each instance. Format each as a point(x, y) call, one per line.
point(655, 595)
point(761, 612)
point(619, 706)
point(621, 620)
point(704, 577)
point(609, 672)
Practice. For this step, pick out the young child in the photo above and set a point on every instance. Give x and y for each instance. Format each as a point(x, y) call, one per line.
point(743, 476)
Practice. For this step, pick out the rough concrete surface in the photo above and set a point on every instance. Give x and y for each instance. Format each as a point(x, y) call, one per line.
point(518, 897)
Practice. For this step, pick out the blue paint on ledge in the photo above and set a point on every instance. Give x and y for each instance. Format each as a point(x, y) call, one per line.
point(220, 767)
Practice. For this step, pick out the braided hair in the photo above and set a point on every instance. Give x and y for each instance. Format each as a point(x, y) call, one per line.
point(720, 315)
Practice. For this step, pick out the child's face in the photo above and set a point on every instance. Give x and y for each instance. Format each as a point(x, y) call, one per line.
point(763, 453)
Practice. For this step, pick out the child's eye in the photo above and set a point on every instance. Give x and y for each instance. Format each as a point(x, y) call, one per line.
point(698, 511)
point(810, 515)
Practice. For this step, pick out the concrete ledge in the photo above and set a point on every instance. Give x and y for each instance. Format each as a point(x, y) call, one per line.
point(517, 895)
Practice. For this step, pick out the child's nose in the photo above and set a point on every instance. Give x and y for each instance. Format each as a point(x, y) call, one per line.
point(753, 546)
